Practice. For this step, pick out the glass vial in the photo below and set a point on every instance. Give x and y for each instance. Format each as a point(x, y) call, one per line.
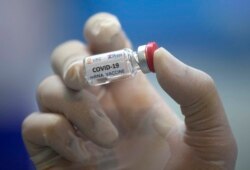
point(107, 67)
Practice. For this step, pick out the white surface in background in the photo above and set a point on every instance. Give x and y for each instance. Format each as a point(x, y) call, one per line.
point(24, 34)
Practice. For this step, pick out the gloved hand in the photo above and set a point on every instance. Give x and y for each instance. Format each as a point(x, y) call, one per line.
point(126, 124)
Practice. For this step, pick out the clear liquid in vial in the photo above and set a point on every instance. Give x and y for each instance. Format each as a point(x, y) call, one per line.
point(107, 67)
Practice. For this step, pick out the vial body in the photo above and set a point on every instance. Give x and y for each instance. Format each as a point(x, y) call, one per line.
point(107, 67)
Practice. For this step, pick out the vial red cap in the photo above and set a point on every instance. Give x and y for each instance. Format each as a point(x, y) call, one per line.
point(150, 49)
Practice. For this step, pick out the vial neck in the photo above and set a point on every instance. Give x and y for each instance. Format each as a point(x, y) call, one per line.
point(135, 61)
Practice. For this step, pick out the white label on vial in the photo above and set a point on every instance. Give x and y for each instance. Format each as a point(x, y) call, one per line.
point(106, 65)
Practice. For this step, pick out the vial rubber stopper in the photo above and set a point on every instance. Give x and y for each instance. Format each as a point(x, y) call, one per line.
point(149, 52)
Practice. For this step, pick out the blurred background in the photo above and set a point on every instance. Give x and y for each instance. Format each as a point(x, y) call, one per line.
point(210, 35)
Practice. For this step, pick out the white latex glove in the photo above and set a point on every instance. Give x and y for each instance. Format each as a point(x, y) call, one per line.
point(126, 125)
